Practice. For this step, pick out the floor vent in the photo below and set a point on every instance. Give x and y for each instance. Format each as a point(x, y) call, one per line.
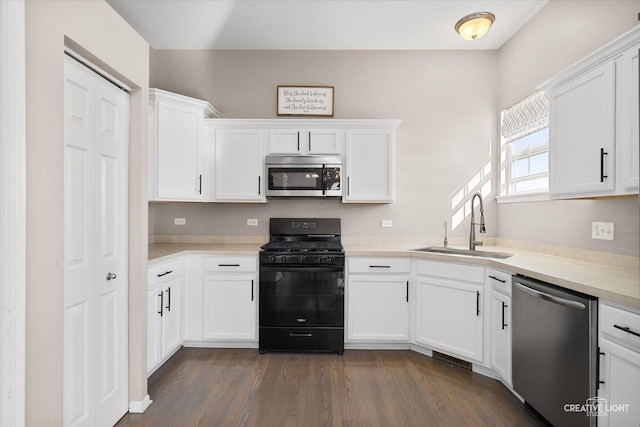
point(453, 360)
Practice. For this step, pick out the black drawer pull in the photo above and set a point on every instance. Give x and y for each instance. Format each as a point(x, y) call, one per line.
point(477, 303)
point(627, 330)
point(499, 280)
point(228, 265)
point(165, 273)
point(161, 295)
point(300, 334)
point(379, 266)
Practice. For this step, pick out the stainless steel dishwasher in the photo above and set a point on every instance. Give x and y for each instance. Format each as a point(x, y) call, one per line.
point(555, 350)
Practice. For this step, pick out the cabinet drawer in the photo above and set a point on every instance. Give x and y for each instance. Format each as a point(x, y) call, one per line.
point(467, 273)
point(613, 322)
point(379, 265)
point(499, 280)
point(166, 271)
point(230, 264)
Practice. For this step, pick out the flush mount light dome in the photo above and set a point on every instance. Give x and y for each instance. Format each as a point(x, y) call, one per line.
point(476, 25)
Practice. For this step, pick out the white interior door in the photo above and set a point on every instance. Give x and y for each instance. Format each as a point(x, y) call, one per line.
point(95, 367)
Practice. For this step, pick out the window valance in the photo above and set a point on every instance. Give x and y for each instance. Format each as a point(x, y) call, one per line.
point(526, 117)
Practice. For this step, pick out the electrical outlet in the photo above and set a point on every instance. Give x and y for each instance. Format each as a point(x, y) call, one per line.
point(386, 223)
point(179, 221)
point(252, 222)
point(602, 230)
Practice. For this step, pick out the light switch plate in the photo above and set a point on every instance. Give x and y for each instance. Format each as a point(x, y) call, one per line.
point(386, 223)
point(252, 222)
point(179, 221)
point(602, 230)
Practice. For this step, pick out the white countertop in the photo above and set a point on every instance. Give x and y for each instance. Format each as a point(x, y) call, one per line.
point(609, 283)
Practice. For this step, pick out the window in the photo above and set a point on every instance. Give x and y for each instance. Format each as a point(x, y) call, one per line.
point(525, 147)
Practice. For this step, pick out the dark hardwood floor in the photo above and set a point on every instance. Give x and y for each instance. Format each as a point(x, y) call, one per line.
point(240, 387)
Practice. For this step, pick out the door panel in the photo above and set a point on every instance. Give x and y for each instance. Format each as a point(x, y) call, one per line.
point(96, 319)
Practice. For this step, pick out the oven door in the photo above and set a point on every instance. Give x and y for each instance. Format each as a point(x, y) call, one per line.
point(307, 180)
point(301, 296)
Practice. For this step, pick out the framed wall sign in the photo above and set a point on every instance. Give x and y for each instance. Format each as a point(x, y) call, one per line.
point(305, 101)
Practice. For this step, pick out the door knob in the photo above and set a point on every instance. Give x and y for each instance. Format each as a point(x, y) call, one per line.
point(111, 276)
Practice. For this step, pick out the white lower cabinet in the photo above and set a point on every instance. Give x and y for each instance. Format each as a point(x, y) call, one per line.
point(229, 298)
point(378, 300)
point(164, 312)
point(229, 307)
point(449, 309)
point(498, 284)
point(619, 382)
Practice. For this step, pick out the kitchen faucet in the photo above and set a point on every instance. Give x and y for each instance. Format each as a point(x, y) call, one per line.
point(472, 234)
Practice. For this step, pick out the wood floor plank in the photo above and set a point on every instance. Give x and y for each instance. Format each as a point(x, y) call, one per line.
point(240, 387)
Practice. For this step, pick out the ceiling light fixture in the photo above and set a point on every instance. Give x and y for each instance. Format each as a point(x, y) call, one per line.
point(474, 26)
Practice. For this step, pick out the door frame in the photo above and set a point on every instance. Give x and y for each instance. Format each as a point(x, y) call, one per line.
point(13, 216)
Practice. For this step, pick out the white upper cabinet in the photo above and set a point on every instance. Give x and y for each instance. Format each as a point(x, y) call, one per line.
point(304, 141)
point(582, 133)
point(178, 169)
point(370, 166)
point(629, 136)
point(593, 123)
point(239, 165)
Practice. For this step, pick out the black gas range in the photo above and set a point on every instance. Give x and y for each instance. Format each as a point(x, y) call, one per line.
point(302, 286)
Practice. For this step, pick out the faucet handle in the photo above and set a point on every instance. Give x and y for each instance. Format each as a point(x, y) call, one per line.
point(478, 243)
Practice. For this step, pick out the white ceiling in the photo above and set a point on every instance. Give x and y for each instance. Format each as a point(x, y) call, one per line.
point(319, 24)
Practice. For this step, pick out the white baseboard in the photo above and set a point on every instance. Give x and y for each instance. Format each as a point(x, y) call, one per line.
point(139, 406)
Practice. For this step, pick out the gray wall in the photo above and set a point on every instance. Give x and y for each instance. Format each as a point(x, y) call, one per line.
point(447, 101)
point(559, 35)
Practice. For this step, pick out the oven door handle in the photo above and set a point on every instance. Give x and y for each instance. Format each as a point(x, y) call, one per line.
point(303, 269)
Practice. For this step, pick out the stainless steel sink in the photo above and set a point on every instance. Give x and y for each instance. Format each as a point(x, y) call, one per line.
point(453, 251)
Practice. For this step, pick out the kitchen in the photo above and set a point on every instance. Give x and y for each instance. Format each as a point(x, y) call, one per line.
point(424, 89)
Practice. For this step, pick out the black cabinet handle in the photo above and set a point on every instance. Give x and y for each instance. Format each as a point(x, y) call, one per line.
point(251, 290)
point(165, 273)
point(599, 381)
point(602, 154)
point(259, 186)
point(477, 303)
point(407, 291)
point(200, 184)
point(168, 291)
point(379, 266)
point(499, 280)
point(503, 307)
point(627, 330)
point(228, 265)
point(348, 186)
point(309, 140)
point(161, 295)
point(298, 140)
point(301, 334)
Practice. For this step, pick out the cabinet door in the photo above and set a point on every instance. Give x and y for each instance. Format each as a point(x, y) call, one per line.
point(323, 141)
point(501, 331)
point(581, 130)
point(171, 324)
point(285, 141)
point(154, 328)
point(629, 121)
point(229, 307)
point(449, 317)
point(620, 373)
point(239, 165)
point(179, 154)
point(370, 166)
point(378, 308)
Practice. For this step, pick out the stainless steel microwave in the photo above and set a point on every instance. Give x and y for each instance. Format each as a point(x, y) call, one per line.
point(303, 176)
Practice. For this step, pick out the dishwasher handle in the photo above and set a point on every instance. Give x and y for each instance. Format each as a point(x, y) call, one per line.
point(551, 298)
